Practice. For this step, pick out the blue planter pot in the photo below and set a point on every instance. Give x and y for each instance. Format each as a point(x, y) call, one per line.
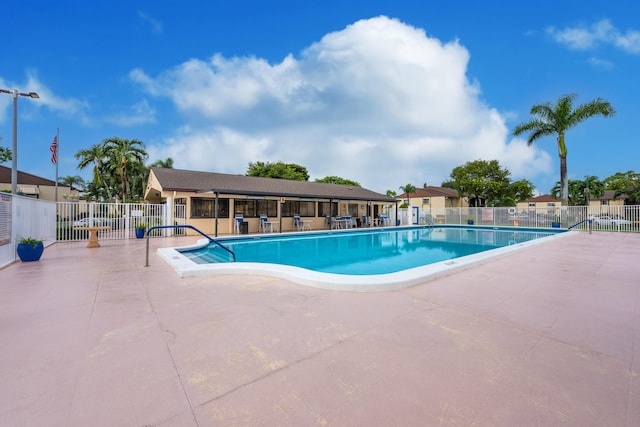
point(139, 233)
point(555, 224)
point(27, 252)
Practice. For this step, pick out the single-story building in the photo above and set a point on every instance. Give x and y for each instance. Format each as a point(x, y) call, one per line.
point(213, 200)
point(37, 187)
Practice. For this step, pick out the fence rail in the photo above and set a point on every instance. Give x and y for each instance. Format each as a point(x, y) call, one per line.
point(603, 218)
point(121, 218)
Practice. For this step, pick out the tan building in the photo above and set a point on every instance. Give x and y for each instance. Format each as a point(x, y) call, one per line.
point(34, 186)
point(431, 197)
point(545, 203)
point(608, 199)
point(213, 200)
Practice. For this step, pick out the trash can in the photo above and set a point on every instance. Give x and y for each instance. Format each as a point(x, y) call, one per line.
point(244, 227)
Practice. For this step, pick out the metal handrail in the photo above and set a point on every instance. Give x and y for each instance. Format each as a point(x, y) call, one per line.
point(157, 227)
point(590, 221)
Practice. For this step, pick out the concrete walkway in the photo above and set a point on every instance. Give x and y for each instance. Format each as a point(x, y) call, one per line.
point(547, 336)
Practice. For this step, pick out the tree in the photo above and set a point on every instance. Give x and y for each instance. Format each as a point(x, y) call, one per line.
point(338, 180)
point(627, 183)
point(279, 170)
point(408, 189)
point(5, 154)
point(520, 190)
point(101, 187)
point(167, 164)
point(126, 158)
point(118, 168)
point(577, 195)
point(556, 120)
point(484, 182)
point(391, 193)
point(74, 181)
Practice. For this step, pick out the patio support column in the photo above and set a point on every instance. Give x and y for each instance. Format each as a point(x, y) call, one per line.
point(216, 213)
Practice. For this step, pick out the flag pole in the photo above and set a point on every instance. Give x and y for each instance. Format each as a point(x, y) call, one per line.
point(57, 158)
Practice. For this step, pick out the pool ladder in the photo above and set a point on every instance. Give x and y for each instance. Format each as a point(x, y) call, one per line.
point(159, 227)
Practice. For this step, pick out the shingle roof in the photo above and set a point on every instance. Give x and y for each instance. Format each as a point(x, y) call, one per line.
point(25, 178)
point(195, 181)
point(610, 195)
point(542, 199)
point(431, 191)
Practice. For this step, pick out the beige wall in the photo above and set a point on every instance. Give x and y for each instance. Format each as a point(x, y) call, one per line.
point(226, 225)
point(44, 192)
point(438, 202)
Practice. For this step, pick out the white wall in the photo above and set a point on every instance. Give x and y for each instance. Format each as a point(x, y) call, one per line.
point(29, 218)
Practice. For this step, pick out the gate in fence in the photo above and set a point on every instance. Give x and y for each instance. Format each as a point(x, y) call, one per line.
point(119, 219)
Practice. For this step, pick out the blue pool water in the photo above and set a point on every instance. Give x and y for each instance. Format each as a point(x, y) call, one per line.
point(375, 251)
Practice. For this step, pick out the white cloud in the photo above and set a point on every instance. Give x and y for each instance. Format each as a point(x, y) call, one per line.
point(601, 32)
point(601, 63)
point(69, 107)
point(379, 102)
point(156, 25)
point(137, 114)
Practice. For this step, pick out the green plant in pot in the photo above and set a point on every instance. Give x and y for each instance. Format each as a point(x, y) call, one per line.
point(470, 221)
point(140, 229)
point(30, 249)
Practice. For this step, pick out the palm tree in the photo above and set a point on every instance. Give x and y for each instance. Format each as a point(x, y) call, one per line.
point(556, 120)
point(96, 156)
point(75, 181)
point(408, 189)
point(168, 164)
point(125, 156)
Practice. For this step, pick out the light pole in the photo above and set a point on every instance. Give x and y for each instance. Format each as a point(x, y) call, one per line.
point(14, 149)
point(586, 190)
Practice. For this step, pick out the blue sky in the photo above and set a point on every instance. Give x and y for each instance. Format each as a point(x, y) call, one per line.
point(384, 93)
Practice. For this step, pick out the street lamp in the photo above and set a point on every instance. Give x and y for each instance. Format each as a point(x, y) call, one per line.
point(14, 149)
point(586, 190)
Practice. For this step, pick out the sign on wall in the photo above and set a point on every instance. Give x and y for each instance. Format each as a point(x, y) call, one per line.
point(5, 219)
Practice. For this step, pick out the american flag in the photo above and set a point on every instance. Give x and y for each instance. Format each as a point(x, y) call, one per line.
point(54, 150)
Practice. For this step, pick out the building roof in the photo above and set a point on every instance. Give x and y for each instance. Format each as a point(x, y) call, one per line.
point(201, 182)
point(544, 198)
point(25, 178)
point(431, 191)
point(610, 195)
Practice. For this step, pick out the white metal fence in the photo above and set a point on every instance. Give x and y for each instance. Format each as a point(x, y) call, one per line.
point(605, 218)
point(22, 217)
point(121, 219)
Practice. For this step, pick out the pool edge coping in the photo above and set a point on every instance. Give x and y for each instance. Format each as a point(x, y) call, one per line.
point(185, 267)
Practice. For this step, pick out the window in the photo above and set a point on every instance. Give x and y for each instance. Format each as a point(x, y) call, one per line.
point(267, 207)
point(426, 201)
point(254, 208)
point(352, 209)
point(294, 207)
point(205, 207)
point(604, 202)
point(532, 205)
point(327, 208)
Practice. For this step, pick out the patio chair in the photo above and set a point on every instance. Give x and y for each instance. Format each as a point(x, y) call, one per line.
point(236, 224)
point(300, 224)
point(266, 226)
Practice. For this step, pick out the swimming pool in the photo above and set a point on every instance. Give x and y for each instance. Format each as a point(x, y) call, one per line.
point(365, 259)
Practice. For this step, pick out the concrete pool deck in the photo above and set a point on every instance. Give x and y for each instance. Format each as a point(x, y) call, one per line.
point(549, 335)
